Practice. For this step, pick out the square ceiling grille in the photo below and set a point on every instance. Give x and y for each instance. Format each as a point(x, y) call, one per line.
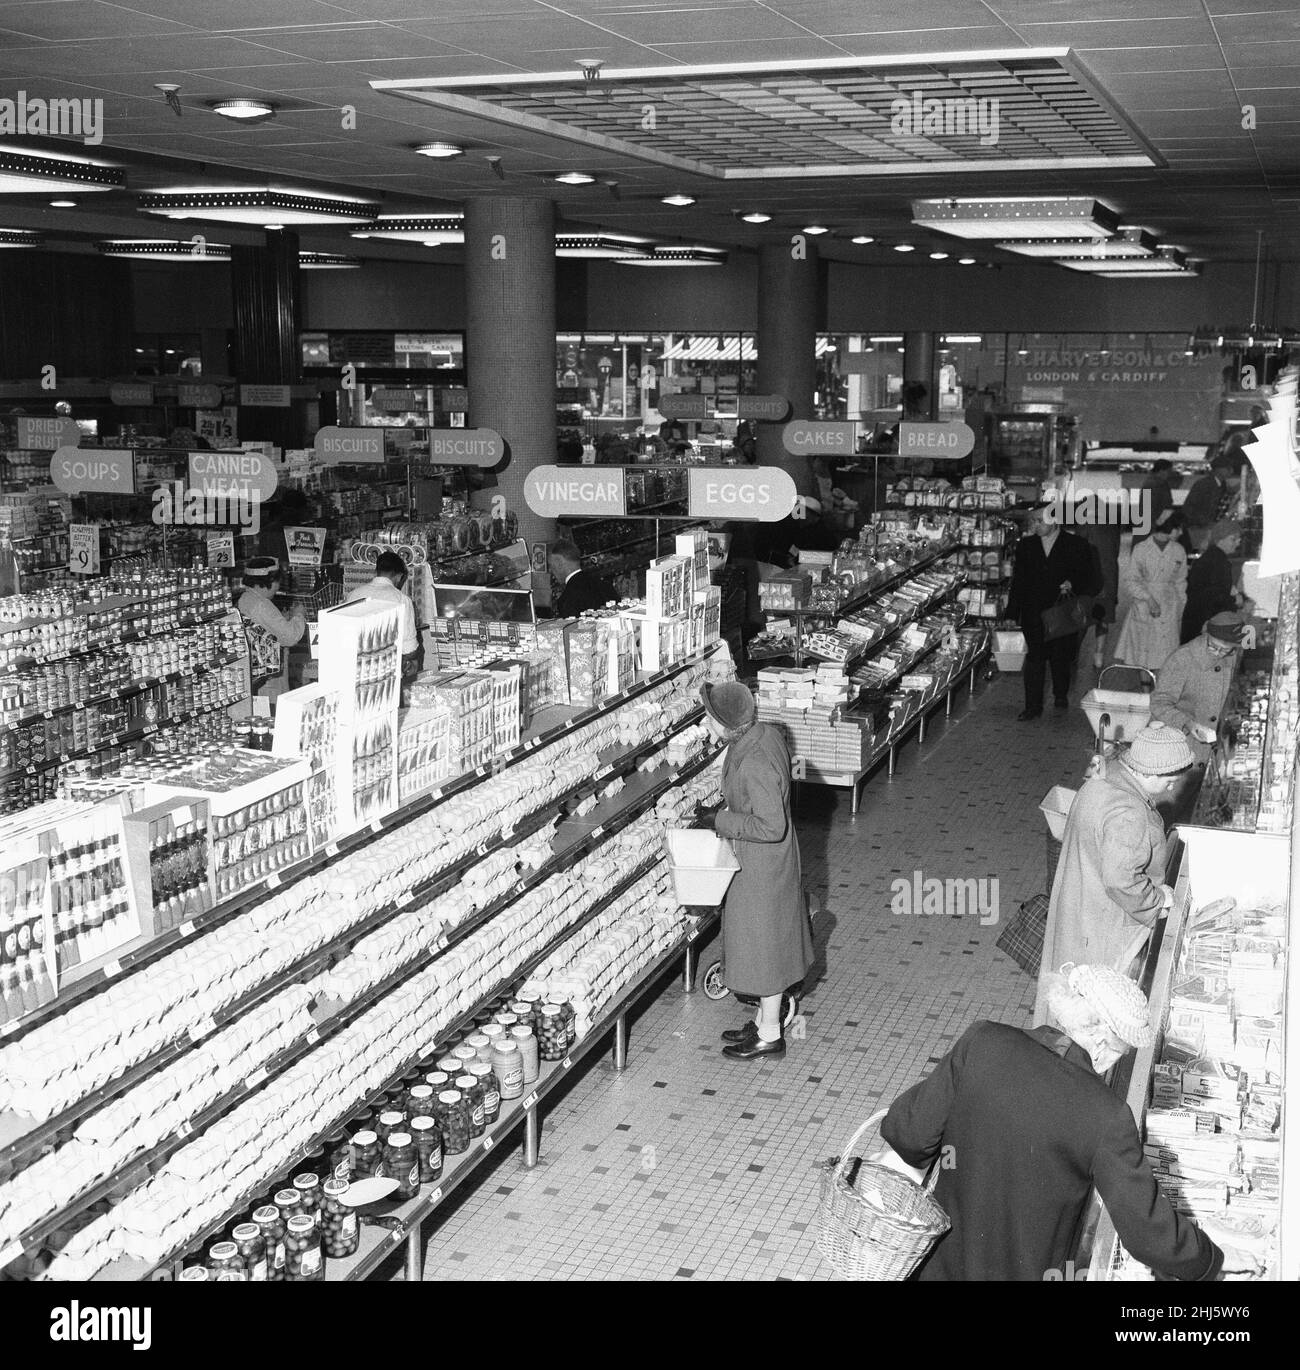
point(1028, 110)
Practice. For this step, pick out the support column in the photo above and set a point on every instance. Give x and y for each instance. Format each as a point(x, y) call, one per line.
point(510, 343)
point(919, 366)
point(268, 320)
point(789, 300)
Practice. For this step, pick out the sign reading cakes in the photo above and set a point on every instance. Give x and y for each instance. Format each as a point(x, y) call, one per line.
point(98, 471)
point(938, 441)
point(804, 438)
point(563, 491)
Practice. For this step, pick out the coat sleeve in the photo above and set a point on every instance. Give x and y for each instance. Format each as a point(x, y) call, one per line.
point(767, 784)
point(1017, 599)
point(1170, 684)
point(1147, 1223)
point(1180, 581)
point(916, 1121)
point(1090, 579)
point(1124, 858)
point(1133, 577)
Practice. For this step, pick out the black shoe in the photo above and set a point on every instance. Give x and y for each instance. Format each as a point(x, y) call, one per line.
point(1026, 714)
point(747, 1051)
point(741, 1034)
point(1061, 703)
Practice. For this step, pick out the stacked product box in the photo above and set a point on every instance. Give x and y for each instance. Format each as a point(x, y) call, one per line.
point(587, 649)
point(423, 750)
point(695, 545)
point(807, 706)
point(507, 708)
point(467, 697)
point(307, 726)
point(622, 656)
point(706, 618)
point(670, 586)
point(785, 590)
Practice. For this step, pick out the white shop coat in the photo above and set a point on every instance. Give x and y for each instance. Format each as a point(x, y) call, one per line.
point(1153, 576)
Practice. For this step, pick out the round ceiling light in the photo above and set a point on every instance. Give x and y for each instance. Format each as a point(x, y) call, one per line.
point(440, 150)
point(756, 216)
point(678, 201)
point(63, 204)
point(574, 178)
point(245, 111)
point(816, 228)
point(862, 239)
point(965, 261)
point(938, 256)
point(904, 247)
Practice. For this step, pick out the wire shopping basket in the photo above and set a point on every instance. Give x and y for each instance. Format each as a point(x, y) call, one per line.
point(881, 1225)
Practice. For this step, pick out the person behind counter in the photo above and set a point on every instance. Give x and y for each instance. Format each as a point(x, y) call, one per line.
point(580, 590)
point(1211, 580)
point(387, 587)
point(1033, 1128)
point(265, 627)
point(1213, 497)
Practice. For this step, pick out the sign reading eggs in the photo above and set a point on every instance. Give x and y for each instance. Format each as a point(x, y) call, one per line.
point(764, 494)
point(938, 441)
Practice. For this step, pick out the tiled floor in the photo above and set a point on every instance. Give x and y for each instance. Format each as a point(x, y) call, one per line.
point(691, 1166)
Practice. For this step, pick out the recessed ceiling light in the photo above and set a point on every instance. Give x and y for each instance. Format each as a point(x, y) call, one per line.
point(63, 204)
point(863, 238)
point(432, 230)
point(19, 237)
point(598, 245)
point(274, 228)
point(816, 228)
point(965, 261)
point(327, 261)
point(1018, 216)
point(23, 172)
point(679, 201)
point(244, 111)
point(678, 256)
point(165, 249)
point(439, 150)
point(904, 247)
point(258, 206)
point(938, 256)
point(963, 337)
point(756, 216)
point(574, 178)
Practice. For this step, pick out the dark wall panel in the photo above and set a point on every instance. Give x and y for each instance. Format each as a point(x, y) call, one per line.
point(72, 312)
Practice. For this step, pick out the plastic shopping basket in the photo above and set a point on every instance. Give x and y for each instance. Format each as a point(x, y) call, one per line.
point(702, 864)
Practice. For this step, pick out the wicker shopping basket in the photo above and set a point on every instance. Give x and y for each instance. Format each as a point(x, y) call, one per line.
point(879, 1227)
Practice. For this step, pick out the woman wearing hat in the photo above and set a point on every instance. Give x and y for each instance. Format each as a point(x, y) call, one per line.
point(766, 945)
point(1031, 1128)
point(1109, 890)
point(1155, 579)
point(1211, 580)
point(265, 627)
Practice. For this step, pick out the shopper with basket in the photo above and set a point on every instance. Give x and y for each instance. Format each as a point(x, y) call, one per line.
point(766, 943)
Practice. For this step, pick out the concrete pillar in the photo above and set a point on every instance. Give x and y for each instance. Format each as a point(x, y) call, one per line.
point(268, 319)
point(919, 364)
point(789, 311)
point(510, 341)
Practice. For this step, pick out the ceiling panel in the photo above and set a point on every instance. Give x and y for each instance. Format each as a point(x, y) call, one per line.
point(231, 15)
point(83, 19)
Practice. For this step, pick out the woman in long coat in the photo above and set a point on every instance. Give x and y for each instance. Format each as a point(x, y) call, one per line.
point(766, 944)
point(1156, 581)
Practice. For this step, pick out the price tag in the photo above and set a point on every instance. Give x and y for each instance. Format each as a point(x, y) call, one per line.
point(186, 929)
point(481, 771)
point(151, 728)
point(507, 833)
point(10, 1253)
point(376, 825)
point(435, 1195)
point(598, 831)
point(519, 887)
point(482, 848)
point(12, 727)
point(113, 968)
point(256, 1078)
point(273, 881)
point(47, 713)
point(567, 1062)
point(332, 849)
point(199, 1030)
point(693, 934)
point(397, 1235)
point(531, 1101)
point(436, 795)
point(407, 898)
point(488, 1143)
point(83, 548)
point(221, 549)
point(313, 1036)
point(185, 1130)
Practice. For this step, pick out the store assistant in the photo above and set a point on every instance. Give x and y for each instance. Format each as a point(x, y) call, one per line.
point(1032, 1128)
point(580, 589)
point(1213, 497)
point(1211, 580)
point(387, 588)
point(268, 630)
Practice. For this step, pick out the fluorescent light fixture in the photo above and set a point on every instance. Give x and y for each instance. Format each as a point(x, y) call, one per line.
point(965, 261)
point(20, 237)
point(815, 229)
point(258, 206)
point(327, 261)
point(938, 256)
point(574, 178)
point(1185, 273)
point(1050, 216)
point(863, 239)
point(593, 246)
point(904, 247)
point(1127, 243)
point(963, 337)
point(678, 256)
point(430, 229)
point(244, 111)
point(165, 249)
point(1161, 262)
point(439, 150)
point(756, 216)
point(63, 204)
point(38, 173)
point(678, 201)
point(885, 338)
point(603, 338)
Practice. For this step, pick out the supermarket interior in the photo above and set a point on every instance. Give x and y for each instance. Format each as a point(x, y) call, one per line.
point(517, 766)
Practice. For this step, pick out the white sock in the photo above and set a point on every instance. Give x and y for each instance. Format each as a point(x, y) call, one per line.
point(769, 1034)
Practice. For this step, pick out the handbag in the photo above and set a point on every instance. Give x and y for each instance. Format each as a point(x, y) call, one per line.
point(1022, 939)
point(1064, 617)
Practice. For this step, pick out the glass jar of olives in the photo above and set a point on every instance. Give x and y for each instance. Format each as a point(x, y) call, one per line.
point(303, 1260)
point(552, 1036)
point(193, 1273)
point(427, 1136)
point(340, 1227)
point(419, 1100)
point(438, 1080)
point(472, 1092)
point(225, 1262)
point(289, 1202)
point(308, 1187)
point(491, 1087)
point(402, 1163)
point(270, 1222)
point(252, 1251)
point(453, 1115)
point(366, 1154)
point(388, 1123)
point(339, 1155)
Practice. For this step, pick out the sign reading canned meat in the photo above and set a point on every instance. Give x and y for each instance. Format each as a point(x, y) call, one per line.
point(684, 406)
point(349, 446)
point(558, 492)
point(939, 441)
point(251, 475)
point(465, 446)
point(764, 408)
point(106, 471)
point(764, 494)
point(803, 438)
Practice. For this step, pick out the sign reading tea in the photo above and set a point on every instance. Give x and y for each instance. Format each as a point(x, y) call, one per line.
point(103, 471)
point(938, 441)
point(765, 494)
point(190, 395)
point(565, 491)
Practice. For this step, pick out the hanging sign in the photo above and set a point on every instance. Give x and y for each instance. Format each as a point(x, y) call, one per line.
point(251, 475)
point(198, 396)
point(454, 400)
point(305, 546)
point(219, 426)
point(265, 396)
point(104, 471)
point(685, 406)
point(764, 494)
point(564, 491)
point(221, 550)
point(804, 438)
point(764, 408)
point(397, 401)
point(39, 434)
point(938, 441)
point(83, 548)
point(465, 446)
point(131, 393)
point(349, 446)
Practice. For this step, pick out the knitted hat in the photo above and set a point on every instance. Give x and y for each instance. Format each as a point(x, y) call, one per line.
point(1158, 750)
point(261, 568)
point(1117, 1000)
point(1226, 627)
point(1225, 528)
point(730, 704)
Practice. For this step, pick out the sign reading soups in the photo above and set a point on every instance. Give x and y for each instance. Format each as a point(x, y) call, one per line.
point(764, 494)
point(560, 492)
point(103, 471)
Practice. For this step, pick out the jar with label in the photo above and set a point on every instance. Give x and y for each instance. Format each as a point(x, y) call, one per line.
point(388, 1123)
point(438, 1080)
point(491, 1087)
point(508, 1066)
point(303, 1260)
point(510, 1017)
point(308, 1187)
point(289, 1202)
point(270, 1222)
point(340, 1226)
point(464, 1054)
point(252, 1251)
point(449, 1063)
point(427, 1136)
point(317, 1163)
point(193, 1273)
point(526, 1039)
point(570, 1016)
point(225, 1262)
point(552, 1039)
point(339, 1157)
point(419, 1100)
point(401, 1163)
point(481, 1044)
point(453, 1115)
point(494, 1032)
point(366, 1154)
point(472, 1092)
